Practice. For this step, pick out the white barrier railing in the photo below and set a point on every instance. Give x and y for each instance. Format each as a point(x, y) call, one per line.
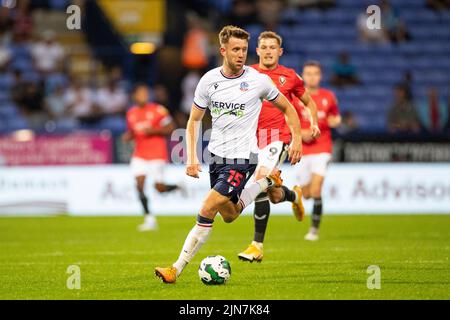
point(109, 190)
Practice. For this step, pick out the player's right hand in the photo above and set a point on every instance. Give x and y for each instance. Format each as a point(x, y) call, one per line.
point(192, 170)
point(295, 151)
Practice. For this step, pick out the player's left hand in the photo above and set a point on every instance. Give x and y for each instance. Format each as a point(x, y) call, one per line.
point(295, 151)
point(315, 131)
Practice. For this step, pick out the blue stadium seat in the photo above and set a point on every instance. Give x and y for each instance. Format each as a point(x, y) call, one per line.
point(408, 4)
point(17, 123)
point(6, 81)
point(21, 64)
point(113, 123)
point(8, 111)
point(54, 81)
point(31, 76)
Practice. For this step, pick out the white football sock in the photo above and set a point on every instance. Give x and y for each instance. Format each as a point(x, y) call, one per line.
point(194, 241)
point(251, 191)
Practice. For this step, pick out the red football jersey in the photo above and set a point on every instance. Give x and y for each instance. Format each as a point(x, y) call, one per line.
point(152, 115)
point(272, 125)
point(326, 105)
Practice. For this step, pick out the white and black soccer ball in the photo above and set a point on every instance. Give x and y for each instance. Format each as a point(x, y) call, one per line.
point(214, 270)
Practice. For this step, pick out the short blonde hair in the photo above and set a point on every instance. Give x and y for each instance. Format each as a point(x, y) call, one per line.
point(270, 35)
point(231, 31)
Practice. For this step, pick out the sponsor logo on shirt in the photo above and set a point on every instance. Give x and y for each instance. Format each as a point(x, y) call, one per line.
point(231, 108)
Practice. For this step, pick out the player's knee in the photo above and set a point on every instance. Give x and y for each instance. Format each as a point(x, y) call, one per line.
point(306, 193)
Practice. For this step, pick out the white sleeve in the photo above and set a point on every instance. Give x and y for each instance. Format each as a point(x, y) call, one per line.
point(269, 89)
point(201, 99)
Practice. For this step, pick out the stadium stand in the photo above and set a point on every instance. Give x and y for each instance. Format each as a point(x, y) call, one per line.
point(309, 34)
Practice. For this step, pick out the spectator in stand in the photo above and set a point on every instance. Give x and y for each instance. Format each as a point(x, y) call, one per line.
point(438, 5)
point(269, 12)
point(18, 85)
point(243, 13)
point(188, 85)
point(6, 24)
point(48, 55)
point(407, 83)
point(196, 47)
point(344, 73)
point(112, 100)
point(57, 109)
point(161, 95)
point(116, 75)
point(447, 126)
point(392, 24)
point(80, 103)
point(5, 56)
point(402, 116)
point(433, 112)
point(309, 4)
point(22, 21)
point(30, 101)
point(349, 123)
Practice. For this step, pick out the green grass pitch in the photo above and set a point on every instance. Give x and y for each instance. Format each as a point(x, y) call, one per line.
point(117, 262)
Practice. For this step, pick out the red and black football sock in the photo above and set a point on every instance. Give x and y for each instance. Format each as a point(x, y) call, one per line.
point(317, 213)
point(289, 195)
point(144, 201)
point(261, 216)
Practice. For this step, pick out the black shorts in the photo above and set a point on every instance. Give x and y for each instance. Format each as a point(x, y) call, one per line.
point(229, 176)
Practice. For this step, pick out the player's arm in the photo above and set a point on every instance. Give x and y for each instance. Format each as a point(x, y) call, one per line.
point(193, 164)
point(307, 133)
point(334, 118)
point(309, 103)
point(293, 122)
point(129, 134)
point(334, 121)
point(165, 130)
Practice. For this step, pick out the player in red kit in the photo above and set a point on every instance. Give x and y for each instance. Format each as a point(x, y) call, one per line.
point(316, 151)
point(274, 137)
point(148, 125)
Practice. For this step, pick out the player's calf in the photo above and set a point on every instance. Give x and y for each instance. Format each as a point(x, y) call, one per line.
point(283, 193)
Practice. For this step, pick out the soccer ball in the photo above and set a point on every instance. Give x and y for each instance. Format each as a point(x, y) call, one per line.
point(214, 270)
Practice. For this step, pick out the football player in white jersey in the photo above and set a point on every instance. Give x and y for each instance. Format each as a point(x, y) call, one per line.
point(234, 94)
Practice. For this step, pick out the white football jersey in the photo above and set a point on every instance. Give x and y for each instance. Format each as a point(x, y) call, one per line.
point(235, 104)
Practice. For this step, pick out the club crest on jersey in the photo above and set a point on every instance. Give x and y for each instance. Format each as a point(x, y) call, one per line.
point(244, 86)
point(215, 86)
point(282, 80)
